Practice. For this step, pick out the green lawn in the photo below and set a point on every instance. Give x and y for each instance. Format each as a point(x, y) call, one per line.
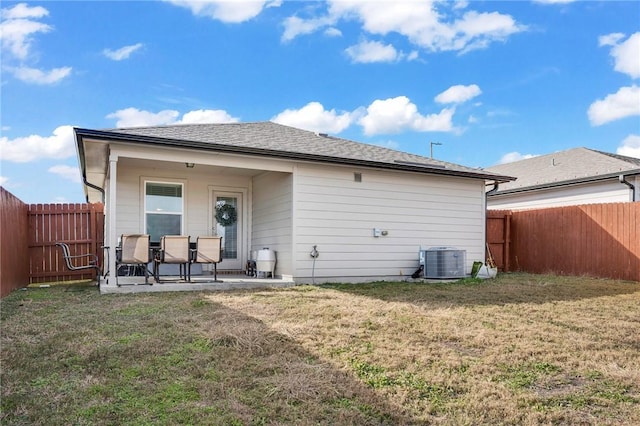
point(520, 349)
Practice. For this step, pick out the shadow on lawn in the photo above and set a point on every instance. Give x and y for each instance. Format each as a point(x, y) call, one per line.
point(512, 288)
point(179, 358)
point(276, 379)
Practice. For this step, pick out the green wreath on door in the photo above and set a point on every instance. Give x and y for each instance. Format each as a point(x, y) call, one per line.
point(226, 214)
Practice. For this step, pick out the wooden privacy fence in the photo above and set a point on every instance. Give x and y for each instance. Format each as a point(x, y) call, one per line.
point(600, 240)
point(81, 226)
point(14, 235)
point(28, 237)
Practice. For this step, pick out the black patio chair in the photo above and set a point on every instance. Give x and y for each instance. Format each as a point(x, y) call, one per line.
point(91, 261)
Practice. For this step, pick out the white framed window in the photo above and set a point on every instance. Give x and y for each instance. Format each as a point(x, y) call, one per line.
point(163, 208)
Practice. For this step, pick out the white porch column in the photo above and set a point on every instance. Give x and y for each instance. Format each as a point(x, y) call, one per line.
point(111, 210)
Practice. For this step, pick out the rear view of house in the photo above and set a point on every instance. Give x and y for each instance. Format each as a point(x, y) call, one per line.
point(366, 211)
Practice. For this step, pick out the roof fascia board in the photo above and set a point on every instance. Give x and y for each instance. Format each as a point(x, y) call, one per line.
point(207, 146)
point(571, 182)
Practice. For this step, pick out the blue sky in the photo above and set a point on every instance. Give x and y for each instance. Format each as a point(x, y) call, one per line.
point(490, 81)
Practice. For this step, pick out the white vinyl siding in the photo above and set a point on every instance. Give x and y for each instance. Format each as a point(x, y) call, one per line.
point(338, 215)
point(589, 193)
point(324, 206)
point(272, 217)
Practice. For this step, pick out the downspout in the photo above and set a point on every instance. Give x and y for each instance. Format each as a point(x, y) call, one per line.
point(494, 189)
point(80, 151)
point(622, 179)
point(97, 188)
point(486, 198)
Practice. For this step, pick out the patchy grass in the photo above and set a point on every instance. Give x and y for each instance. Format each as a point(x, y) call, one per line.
point(519, 349)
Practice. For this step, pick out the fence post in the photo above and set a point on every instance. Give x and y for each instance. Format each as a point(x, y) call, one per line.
point(507, 241)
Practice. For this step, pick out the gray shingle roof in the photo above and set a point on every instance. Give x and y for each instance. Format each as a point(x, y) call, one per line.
point(268, 138)
point(578, 164)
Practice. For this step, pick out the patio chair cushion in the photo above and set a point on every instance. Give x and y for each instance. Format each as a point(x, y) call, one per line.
point(208, 250)
point(174, 249)
point(135, 249)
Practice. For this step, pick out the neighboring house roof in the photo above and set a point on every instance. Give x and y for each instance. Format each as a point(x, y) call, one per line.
point(279, 141)
point(574, 166)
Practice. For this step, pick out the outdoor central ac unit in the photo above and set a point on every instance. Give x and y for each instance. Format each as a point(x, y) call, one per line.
point(443, 262)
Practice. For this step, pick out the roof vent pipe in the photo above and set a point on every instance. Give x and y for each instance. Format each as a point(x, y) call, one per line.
point(630, 185)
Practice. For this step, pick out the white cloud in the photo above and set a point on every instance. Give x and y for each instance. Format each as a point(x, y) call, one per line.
point(18, 26)
point(514, 156)
point(17, 36)
point(460, 4)
point(207, 116)
point(624, 103)
point(372, 51)
point(630, 146)
point(315, 118)
point(122, 53)
point(332, 32)
point(61, 144)
point(3, 180)
point(17, 30)
point(458, 94)
point(23, 10)
point(478, 30)
point(225, 10)
point(394, 115)
point(294, 26)
point(133, 117)
point(610, 39)
point(37, 76)
point(67, 172)
point(425, 23)
point(627, 56)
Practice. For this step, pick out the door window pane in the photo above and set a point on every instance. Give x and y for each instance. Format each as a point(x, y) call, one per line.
point(228, 233)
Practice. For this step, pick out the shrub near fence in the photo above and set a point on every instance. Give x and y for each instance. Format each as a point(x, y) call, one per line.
point(600, 240)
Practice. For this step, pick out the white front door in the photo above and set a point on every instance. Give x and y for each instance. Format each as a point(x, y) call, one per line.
point(231, 231)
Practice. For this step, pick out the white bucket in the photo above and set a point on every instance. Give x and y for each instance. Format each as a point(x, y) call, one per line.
point(266, 262)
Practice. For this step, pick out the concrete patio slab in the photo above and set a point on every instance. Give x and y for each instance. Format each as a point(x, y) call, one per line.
point(205, 283)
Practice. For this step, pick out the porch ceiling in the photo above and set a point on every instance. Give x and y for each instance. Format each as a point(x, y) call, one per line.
point(96, 163)
point(181, 167)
